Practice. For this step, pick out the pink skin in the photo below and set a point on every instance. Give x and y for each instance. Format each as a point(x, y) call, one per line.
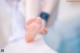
point(33, 27)
point(43, 31)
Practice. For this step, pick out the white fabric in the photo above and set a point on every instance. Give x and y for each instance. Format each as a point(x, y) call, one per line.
point(18, 21)
point(5, 23)
point(21, 46)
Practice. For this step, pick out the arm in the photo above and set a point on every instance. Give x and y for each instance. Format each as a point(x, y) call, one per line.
point(47, 7)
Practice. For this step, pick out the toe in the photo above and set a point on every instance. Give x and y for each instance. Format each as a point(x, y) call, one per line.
point(30, 21)
point(38, 20)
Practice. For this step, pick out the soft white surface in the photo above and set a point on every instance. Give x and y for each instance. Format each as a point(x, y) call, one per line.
point(21, 46)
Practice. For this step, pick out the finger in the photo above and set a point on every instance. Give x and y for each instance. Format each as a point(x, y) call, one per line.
point(43, 31)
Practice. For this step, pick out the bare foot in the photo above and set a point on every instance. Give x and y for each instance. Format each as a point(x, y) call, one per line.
point(32, 28)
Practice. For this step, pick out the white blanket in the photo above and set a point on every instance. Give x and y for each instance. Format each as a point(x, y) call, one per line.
point(21, 46)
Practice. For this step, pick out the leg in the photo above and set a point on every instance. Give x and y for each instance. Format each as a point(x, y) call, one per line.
point(32, 10)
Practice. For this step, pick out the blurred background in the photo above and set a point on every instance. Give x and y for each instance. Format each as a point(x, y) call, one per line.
point(12, 26)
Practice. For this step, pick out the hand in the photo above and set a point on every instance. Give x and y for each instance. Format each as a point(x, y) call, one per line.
point(43, 29)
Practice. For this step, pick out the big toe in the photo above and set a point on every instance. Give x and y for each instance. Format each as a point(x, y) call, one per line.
point(38, 20)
